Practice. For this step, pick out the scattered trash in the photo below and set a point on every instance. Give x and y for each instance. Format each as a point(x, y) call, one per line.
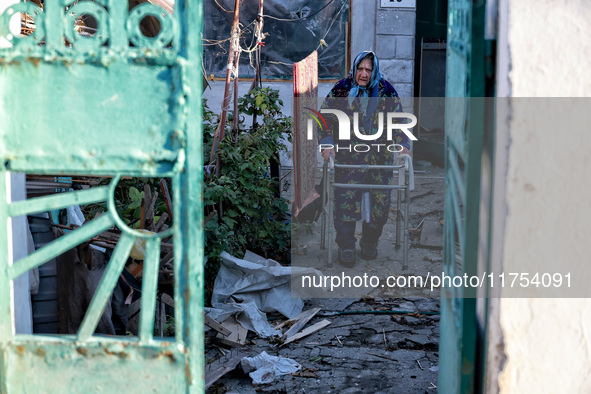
point(138, 250)
point(265, 368)
point(360, 335)
point(75, 216)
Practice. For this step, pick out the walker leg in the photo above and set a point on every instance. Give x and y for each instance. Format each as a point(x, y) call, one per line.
point(398, 218)
point(406, 234)
point(330, 218)
point(323, 223)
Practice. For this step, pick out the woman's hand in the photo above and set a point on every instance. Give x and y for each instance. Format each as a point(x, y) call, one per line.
point(327, 152)
point(405, 151)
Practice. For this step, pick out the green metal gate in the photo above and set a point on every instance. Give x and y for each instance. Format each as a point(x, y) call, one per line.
point(465, 89)
point(114, 103)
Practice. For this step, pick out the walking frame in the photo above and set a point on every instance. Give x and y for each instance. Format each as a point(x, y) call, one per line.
point(403, 172)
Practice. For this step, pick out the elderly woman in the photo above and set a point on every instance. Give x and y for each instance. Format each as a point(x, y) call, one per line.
point(368, 94)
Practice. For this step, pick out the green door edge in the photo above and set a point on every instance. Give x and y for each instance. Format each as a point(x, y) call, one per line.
point(471, 344)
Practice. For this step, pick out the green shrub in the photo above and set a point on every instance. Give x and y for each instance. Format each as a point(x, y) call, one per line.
point(252, 217)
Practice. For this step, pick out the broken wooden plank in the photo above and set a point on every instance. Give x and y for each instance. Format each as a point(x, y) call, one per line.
point(287, 322)
point(163, 217)
point(168, 300)
point(291, 321)
point(310, 330)
point(167, 257)
point(302, 319)
point(162, 318)
point(215, 325)
point(145, 204)
point(237, 336)
point(209, 217)
point(150, 225)
point(166, 195)
point(221, 367)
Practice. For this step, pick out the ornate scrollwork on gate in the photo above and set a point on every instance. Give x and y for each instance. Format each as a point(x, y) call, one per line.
point(107, 23)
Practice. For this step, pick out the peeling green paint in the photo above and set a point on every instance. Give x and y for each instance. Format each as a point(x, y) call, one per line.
point(104, 107)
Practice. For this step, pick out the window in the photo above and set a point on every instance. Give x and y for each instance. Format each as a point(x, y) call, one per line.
point(295, 28)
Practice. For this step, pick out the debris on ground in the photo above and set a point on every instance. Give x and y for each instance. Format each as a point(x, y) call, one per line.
point(387, 342)
point(265, 368)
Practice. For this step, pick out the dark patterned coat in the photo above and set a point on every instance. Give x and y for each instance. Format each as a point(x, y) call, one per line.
point(348, 201)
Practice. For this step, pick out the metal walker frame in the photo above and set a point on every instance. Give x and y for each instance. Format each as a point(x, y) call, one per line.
point(327, 225)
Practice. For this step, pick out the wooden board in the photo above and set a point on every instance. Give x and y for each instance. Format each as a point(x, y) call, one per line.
point(237, 336)
point(301, 321)
point(310, 330)
point(215, 325)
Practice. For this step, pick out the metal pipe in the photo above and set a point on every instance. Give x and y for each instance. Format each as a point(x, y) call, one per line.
point(366, 186)
point(369, 167)
point(323, 218)
point(406, 213)
point(398, 218)
point(330, 211)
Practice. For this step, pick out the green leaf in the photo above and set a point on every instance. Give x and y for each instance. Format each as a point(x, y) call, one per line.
point(135, 195)
point(135, 204)
point(232, 213)
point(259, 100)
point(229, 222)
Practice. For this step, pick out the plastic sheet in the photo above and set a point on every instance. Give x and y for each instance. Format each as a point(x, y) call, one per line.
point(265, 368)
point(302, 24)
point(249, 287)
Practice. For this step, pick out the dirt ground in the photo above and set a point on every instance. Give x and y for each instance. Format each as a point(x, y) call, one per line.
point(384, 341)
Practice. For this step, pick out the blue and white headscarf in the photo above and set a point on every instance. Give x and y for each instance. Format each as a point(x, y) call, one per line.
point(371, 90)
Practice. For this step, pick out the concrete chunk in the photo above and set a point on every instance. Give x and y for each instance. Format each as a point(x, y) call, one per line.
point(432, 234)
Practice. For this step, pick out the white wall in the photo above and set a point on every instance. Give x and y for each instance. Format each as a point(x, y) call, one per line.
point(542, 203)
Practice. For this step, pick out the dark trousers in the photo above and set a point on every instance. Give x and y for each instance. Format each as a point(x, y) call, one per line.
point(345, 238)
